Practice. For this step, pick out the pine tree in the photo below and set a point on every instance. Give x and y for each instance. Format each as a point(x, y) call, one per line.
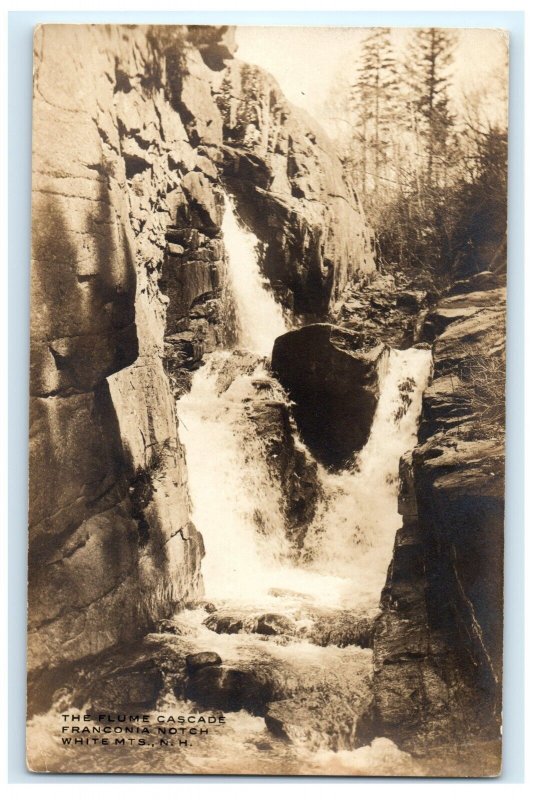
point(438, 205)
point(431, 53)
point(373, 98)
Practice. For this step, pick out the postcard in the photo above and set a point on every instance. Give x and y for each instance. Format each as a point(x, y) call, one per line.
point(268, 293)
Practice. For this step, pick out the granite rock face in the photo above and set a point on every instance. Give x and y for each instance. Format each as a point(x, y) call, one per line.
point(288, 461)
point(290, 190)
point(438, 641)
point(332, 377)
point(112, 547)
point(132, 156)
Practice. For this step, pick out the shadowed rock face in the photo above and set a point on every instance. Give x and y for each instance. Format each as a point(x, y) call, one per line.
point(289, 186)
point(289, 464)
point(131, 155)
point(438, 642)
point(334, 385)
point(112, 548)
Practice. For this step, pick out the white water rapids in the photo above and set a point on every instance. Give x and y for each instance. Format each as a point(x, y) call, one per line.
point(237, 505)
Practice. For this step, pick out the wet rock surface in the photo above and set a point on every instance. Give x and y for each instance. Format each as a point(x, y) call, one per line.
point(437, 645)
point(273, 625)
point(269, 624)
point(222, 622)
point(316, 689)
point(290, 465)
point(229, 689)
point(274, 666)
point(323, 720)
point(332, 376)
point(197, 661)
point(108, 683)
point(168, 626)
point(321, 627)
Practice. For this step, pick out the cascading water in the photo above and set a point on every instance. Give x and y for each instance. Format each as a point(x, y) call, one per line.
point(233, 495)
point(249, 566)
point(236, 502)
point(353, 532)
point(259, 319)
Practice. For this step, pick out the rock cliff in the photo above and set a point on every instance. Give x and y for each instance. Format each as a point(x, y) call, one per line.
point(111, 543)
point(138, 132)
point(437, 647)
point(290, 189)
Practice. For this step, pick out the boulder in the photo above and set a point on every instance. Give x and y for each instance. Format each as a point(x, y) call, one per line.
point(221, 622)
point(229, 689)
point(236, 622)
point(124, 679)
point(480, 281)
point(135, 689)
point(197, 661)
point(472, 307)
point(172, 626)
point(334, 384)
point(411, 300)
point(255, 683)
point(274, 625)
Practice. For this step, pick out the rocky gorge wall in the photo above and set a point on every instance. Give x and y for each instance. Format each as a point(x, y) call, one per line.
point(138, 132)
point(290, 189)
point(438, 642)
point(111, 543)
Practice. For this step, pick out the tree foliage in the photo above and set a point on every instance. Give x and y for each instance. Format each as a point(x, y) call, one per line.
point(432, 182)
point(374, 99)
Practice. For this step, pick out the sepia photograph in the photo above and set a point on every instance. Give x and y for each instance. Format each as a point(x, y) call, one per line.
point(267, 400)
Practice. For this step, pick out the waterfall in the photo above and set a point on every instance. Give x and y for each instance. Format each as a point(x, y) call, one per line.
point(237, 504)
point(238, 507)
point(259, 318)
point(353, 533)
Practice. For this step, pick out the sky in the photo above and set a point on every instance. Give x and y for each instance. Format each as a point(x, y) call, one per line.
point(309, 62)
